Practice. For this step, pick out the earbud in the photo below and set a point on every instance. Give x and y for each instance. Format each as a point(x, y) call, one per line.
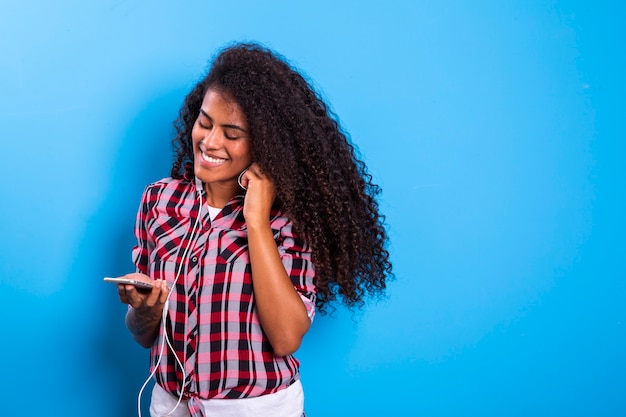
point(240, 178)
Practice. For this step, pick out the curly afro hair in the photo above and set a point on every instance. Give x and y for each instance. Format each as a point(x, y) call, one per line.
point(320, 183)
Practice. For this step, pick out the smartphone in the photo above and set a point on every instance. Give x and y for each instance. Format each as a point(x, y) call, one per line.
point(140, 285)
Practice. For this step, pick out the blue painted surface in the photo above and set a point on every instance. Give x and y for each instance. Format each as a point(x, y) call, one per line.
point(496, 130)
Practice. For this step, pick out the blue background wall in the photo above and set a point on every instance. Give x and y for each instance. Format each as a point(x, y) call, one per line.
point(496, 130)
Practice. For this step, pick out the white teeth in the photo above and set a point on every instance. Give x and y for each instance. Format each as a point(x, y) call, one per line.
point(212, 160)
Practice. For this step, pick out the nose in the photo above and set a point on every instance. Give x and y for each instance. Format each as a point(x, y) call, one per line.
point(212, 139)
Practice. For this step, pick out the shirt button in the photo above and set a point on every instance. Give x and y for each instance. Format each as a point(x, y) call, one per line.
point(194, 259)
point(207, 227)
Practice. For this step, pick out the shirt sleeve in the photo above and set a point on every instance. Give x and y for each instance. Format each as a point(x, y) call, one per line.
point(296, 256)
point(140, 252)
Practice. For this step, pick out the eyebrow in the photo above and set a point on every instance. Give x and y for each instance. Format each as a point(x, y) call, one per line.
point(227, 125)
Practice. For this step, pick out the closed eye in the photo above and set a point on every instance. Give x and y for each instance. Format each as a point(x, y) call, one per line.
point(231, 131)
point(230, 137)
point(204, 121)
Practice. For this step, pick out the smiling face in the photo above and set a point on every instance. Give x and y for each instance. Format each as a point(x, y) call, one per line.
point(221, 146)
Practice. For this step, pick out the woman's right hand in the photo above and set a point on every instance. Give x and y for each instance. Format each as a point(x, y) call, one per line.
point(130, 295)
point(144, 317)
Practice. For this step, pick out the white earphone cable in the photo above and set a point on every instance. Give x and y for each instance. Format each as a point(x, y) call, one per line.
point(166, 338)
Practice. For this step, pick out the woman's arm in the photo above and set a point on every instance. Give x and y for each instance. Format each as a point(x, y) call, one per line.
point(144, 316)
point(281, 311)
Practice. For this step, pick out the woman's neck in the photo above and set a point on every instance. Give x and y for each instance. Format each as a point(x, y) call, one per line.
point(218, 195)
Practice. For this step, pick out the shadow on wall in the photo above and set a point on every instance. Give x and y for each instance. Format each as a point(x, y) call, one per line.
point(143, 157)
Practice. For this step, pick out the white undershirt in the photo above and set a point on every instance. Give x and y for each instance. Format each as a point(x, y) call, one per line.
point(213, 211)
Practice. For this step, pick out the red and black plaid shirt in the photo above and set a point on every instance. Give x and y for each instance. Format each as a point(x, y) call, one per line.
point(212, 319)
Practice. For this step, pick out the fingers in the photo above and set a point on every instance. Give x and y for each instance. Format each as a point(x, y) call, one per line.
point(121, 292)
point(259, 197)
point(255, 169)
point(256, 178)
point(250, 174)
point(165, 292)
point(128, 294)
point(152, 297)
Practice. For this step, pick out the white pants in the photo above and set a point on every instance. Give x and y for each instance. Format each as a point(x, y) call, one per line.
point(285, 403)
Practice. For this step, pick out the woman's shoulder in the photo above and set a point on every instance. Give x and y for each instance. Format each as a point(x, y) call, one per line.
point(171, 183)
point(171, 187)
point(281, 221)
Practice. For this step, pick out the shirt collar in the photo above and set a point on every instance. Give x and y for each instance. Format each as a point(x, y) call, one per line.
point(233, 207)
point(200, 189)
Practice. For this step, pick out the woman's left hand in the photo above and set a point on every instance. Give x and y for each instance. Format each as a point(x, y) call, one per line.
point(281, 311)
point(259, 197)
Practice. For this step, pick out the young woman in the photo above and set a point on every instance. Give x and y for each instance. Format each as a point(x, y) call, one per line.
point(267, 216)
